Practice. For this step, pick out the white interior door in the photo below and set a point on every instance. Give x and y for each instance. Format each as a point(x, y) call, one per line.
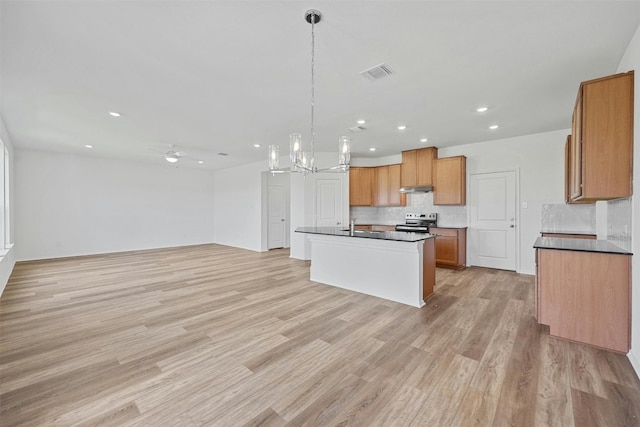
point(329, 202)
point(277, 216)
point(492, 231)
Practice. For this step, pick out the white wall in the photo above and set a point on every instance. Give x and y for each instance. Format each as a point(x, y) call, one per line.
point(9, 259)
point(238, 198)
point(631, 61)
point(540, 161)
point(70, 205)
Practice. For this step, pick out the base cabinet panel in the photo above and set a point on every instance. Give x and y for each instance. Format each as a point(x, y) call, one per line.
point(451, 247)
point(585, 297)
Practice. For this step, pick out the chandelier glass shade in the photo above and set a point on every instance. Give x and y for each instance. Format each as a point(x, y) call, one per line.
point(302, 161)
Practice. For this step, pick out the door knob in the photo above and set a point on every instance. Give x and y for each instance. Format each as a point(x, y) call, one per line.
point(512, 226)
point(282, 220)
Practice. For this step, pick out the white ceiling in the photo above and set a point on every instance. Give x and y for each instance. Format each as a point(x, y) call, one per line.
point(220, 76)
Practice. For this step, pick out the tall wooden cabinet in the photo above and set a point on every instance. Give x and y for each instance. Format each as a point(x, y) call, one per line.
point(417, 167)
point(600, 151)
point(450, 181)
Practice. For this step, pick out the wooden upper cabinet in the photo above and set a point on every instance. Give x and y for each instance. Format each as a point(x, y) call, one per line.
point(424, 161)
point(395, 197)
point(361, 183)
point(388, 187)
point(382, 193)
point(450, 181)
point(409, 171)
point(417, 167)
point(567, 170)
point(601, 149)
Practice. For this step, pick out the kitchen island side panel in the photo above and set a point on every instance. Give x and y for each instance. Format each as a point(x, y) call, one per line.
point(382, 268)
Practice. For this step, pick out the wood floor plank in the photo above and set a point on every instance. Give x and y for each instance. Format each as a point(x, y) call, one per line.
point(553, 402)
point(214, 335)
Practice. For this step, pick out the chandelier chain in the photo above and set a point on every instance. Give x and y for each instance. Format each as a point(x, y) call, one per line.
point(313, 55)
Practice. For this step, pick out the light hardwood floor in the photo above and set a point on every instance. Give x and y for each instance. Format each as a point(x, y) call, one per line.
point(213, 335)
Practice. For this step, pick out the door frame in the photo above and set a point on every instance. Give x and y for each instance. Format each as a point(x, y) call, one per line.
point(264, 214)
point(517, 211)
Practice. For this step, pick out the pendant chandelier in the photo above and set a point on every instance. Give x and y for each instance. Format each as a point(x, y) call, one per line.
point(301, 161)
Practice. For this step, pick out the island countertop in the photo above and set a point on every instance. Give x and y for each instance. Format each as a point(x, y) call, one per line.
point(397, 236)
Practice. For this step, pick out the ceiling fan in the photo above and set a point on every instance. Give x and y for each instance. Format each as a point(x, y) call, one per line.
point(172, 156)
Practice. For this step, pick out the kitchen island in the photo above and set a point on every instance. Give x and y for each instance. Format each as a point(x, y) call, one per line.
point(397, 266)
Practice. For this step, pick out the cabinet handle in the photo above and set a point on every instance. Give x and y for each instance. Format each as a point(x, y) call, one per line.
point(512, 226)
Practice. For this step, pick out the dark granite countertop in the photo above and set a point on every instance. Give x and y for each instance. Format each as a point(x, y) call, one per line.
point(582, 245)
point(586, 233)
point(397, 236)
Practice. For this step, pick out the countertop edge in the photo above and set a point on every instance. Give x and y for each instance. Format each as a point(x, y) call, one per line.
point(580, 245)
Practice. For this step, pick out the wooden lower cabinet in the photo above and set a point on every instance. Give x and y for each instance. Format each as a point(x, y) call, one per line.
point(451, 247)
point(383, 228)
point(585, 297)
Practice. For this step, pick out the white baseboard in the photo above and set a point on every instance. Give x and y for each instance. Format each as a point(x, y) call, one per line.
point(635, 362)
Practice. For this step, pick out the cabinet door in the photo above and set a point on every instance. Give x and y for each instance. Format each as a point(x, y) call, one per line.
point(361, 186)
point(447, 250)
point(395, 197)
point(382, 192)
point(576, 150)
point(450, 181)
point(567, 170)
point(424, 165)
point(601, 148)
point(408, 172)
point(607, 137)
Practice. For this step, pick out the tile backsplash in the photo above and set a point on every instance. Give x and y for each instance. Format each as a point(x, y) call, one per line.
point(448, 216)
point(619, 223)
point(569, 218)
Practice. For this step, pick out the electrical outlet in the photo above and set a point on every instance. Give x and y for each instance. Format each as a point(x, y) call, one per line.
point(525, 205)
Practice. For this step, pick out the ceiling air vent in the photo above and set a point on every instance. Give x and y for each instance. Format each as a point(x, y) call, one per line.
point(356, 129)
point(377, 72)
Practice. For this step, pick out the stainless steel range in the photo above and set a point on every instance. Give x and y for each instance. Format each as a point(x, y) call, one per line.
point(418, 223)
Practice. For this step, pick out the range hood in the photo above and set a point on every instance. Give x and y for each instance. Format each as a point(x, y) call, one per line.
point(417, 189)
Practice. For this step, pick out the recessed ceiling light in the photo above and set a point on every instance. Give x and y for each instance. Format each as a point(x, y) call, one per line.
point(482, 109)
point(372, 149)
point(494, 127)
point(361, 122)
point(402, 127)
point(88, 146)
point(424, 139)
point(256, 145)
point(201, 161)
point(114, 114)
